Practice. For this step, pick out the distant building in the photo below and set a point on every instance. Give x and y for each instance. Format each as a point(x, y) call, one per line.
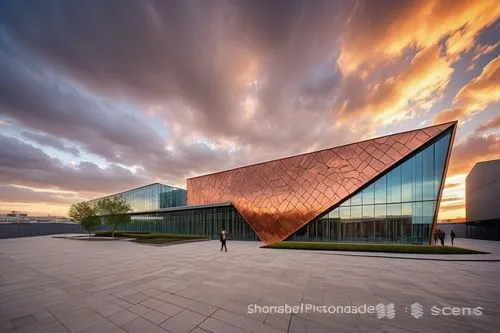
point(482, 193)
point(14, 217)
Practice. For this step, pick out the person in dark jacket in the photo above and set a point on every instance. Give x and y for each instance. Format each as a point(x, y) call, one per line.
point(442, 236)
point(223, 239)
point(452, 236)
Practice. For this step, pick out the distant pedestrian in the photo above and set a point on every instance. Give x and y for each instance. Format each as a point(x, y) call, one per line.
point(452, 236)
point(442, 236)
point(223, 239)
point(436, 236)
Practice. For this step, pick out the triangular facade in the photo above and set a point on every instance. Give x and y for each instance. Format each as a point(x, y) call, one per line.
point(278, 198)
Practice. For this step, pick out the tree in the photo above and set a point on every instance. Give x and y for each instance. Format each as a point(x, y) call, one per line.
point(84, 213)
point(114, 211)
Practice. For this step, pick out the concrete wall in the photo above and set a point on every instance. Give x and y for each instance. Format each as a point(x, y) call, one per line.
point(458, 228)
point(482, 192)
point(13, 230)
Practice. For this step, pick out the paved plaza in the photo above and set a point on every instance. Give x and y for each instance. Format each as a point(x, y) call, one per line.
point(60, 285)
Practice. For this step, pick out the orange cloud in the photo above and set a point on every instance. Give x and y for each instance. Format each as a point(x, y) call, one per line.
point(419, 24)
point(480, 51)
point(473, 149)
point(422, 84)
point(449, 115)
point(483, 90)
point(476, 95)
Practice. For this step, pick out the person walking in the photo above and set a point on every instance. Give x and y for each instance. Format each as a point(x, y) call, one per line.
point(223, 239)
point(452, 236)
point(442, 236)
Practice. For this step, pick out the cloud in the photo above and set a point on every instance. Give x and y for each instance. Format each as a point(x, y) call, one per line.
point(420, 85)
point(481, 91)
point(449, 115)
point(479, 51)
point(476, 95)
point(200, 78)
point(173, 89)
point(229, 53)
point(50, 141)
point(451, 203)
point(23, 164)
point(16, 194)
point(490, 124)
point(380, 31)
point(473, 149)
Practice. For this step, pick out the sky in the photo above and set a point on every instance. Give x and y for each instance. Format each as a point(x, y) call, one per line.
point(101, 96)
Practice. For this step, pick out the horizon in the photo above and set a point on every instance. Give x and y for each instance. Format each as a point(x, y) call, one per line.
point(102, 99)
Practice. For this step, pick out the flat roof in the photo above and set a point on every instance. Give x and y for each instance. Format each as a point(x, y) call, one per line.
point(180, 208)
point(136, 188)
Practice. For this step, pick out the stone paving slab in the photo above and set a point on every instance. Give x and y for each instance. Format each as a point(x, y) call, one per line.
point(61, 285)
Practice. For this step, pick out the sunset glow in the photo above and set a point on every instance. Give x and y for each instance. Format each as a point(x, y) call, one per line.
point(101, 100)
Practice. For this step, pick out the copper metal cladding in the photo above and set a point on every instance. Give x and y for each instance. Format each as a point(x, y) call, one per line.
point(279, 197)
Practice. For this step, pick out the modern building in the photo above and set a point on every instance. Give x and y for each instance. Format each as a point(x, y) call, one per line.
point(482, 190)
point(152, 197)
point(386, 189)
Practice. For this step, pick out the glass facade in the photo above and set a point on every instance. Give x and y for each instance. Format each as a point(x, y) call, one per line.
point(207, 221)
point(398, 207)
point(152, 197)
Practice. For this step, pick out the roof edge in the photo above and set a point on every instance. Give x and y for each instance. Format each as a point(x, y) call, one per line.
point(450, 124)
point(136, 188)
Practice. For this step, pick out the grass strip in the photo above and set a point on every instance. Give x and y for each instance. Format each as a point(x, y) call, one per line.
point(372, 247)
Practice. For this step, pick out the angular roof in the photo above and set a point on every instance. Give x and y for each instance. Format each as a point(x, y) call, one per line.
point(278, 197)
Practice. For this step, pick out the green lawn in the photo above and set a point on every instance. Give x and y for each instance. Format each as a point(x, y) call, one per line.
point(151, 238)
point(387, 248)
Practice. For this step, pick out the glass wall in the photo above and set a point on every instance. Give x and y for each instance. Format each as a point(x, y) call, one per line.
point(398, 207)
point(199, 221)
point(154, 196)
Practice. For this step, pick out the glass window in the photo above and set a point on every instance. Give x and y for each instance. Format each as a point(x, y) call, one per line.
point(417, 164)
point(394, 210)
point(356, 212)
point(417, 212)
point(428, 173)
point(380, 211)
point(369, 195)
point(368, 211)
point(394, 185)
point(406, 210)
point(380, 190)
point(428, 211)
point(346, 203)
point(406, 181)
point(345, 213)
point(356, 200)
point(440, 152)
point(334, 213)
